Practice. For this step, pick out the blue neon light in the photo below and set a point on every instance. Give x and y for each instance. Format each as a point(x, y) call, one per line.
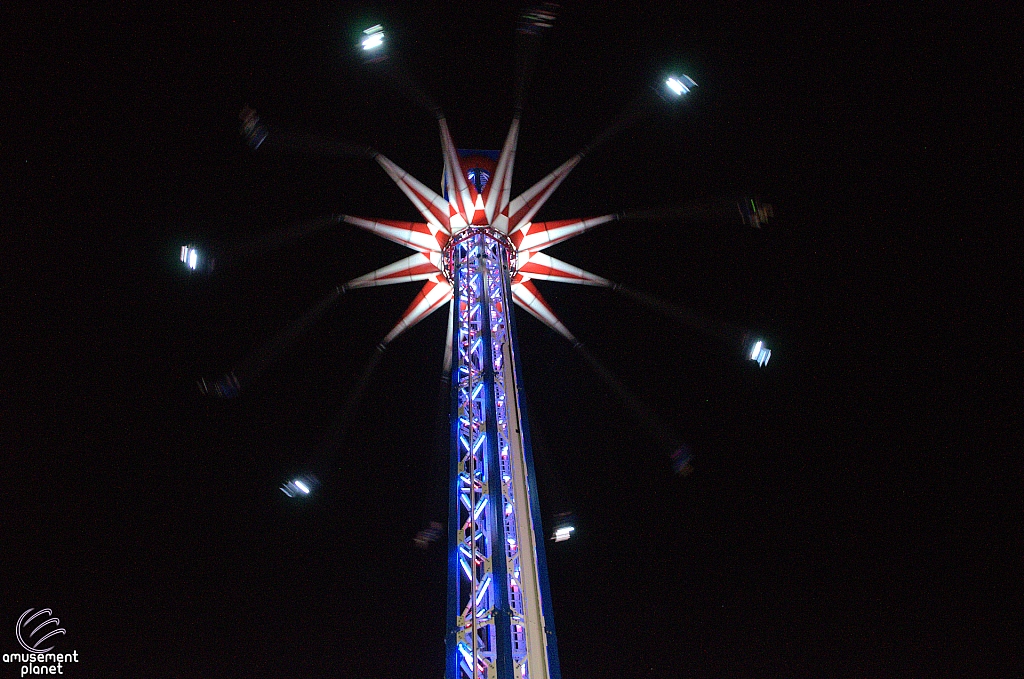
point(488, 594)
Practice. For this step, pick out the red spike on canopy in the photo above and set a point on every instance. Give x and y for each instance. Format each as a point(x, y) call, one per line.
point(433, 207)
point(539, 235)
point(459, 194)
point(419, 236)
point(434, 294)
point(542, 267)
point(415, 267)
point(527, 296)
point(523, 208)
point(496, 193)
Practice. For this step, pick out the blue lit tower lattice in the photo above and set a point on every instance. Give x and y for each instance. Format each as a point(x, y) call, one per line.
point(478, 251)
point(497, 584)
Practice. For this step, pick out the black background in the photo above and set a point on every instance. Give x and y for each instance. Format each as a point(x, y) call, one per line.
point(843, 519)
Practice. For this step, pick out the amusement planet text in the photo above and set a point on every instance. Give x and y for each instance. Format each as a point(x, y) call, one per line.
point(54, 662)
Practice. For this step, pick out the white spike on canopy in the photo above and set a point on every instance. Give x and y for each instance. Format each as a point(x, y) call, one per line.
point(434, 294)
point(543, 267)
point(433, 207)
point(458, 189)
point(499, 189)
point(526, 295)
point(416, 267)
point(416, 235)
point(540, 235)
point(523, 208)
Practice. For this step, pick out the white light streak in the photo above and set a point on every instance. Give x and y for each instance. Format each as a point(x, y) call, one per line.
point(190, 256)
point(562, 534)
point(680, 85)
point(760, 353)
point(374, 37)
point(301, 486)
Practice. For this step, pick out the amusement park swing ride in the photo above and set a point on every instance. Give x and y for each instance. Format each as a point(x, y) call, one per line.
point(477, 252)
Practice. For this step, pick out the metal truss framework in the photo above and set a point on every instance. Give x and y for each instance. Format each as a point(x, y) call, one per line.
point(478, 250)
point(496, 625)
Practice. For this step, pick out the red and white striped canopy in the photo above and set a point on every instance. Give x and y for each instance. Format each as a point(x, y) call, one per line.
point(466, 208)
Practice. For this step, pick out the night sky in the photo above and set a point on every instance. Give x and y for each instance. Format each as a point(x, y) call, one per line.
point(840, 522)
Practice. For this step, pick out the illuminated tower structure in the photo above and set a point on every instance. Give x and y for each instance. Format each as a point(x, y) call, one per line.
point(478, 251)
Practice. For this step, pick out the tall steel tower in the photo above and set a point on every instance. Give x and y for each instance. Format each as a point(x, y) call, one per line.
point(499, 605)
point(477, 251)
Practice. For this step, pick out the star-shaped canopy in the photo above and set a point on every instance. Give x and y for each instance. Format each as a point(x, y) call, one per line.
point(469, 207)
